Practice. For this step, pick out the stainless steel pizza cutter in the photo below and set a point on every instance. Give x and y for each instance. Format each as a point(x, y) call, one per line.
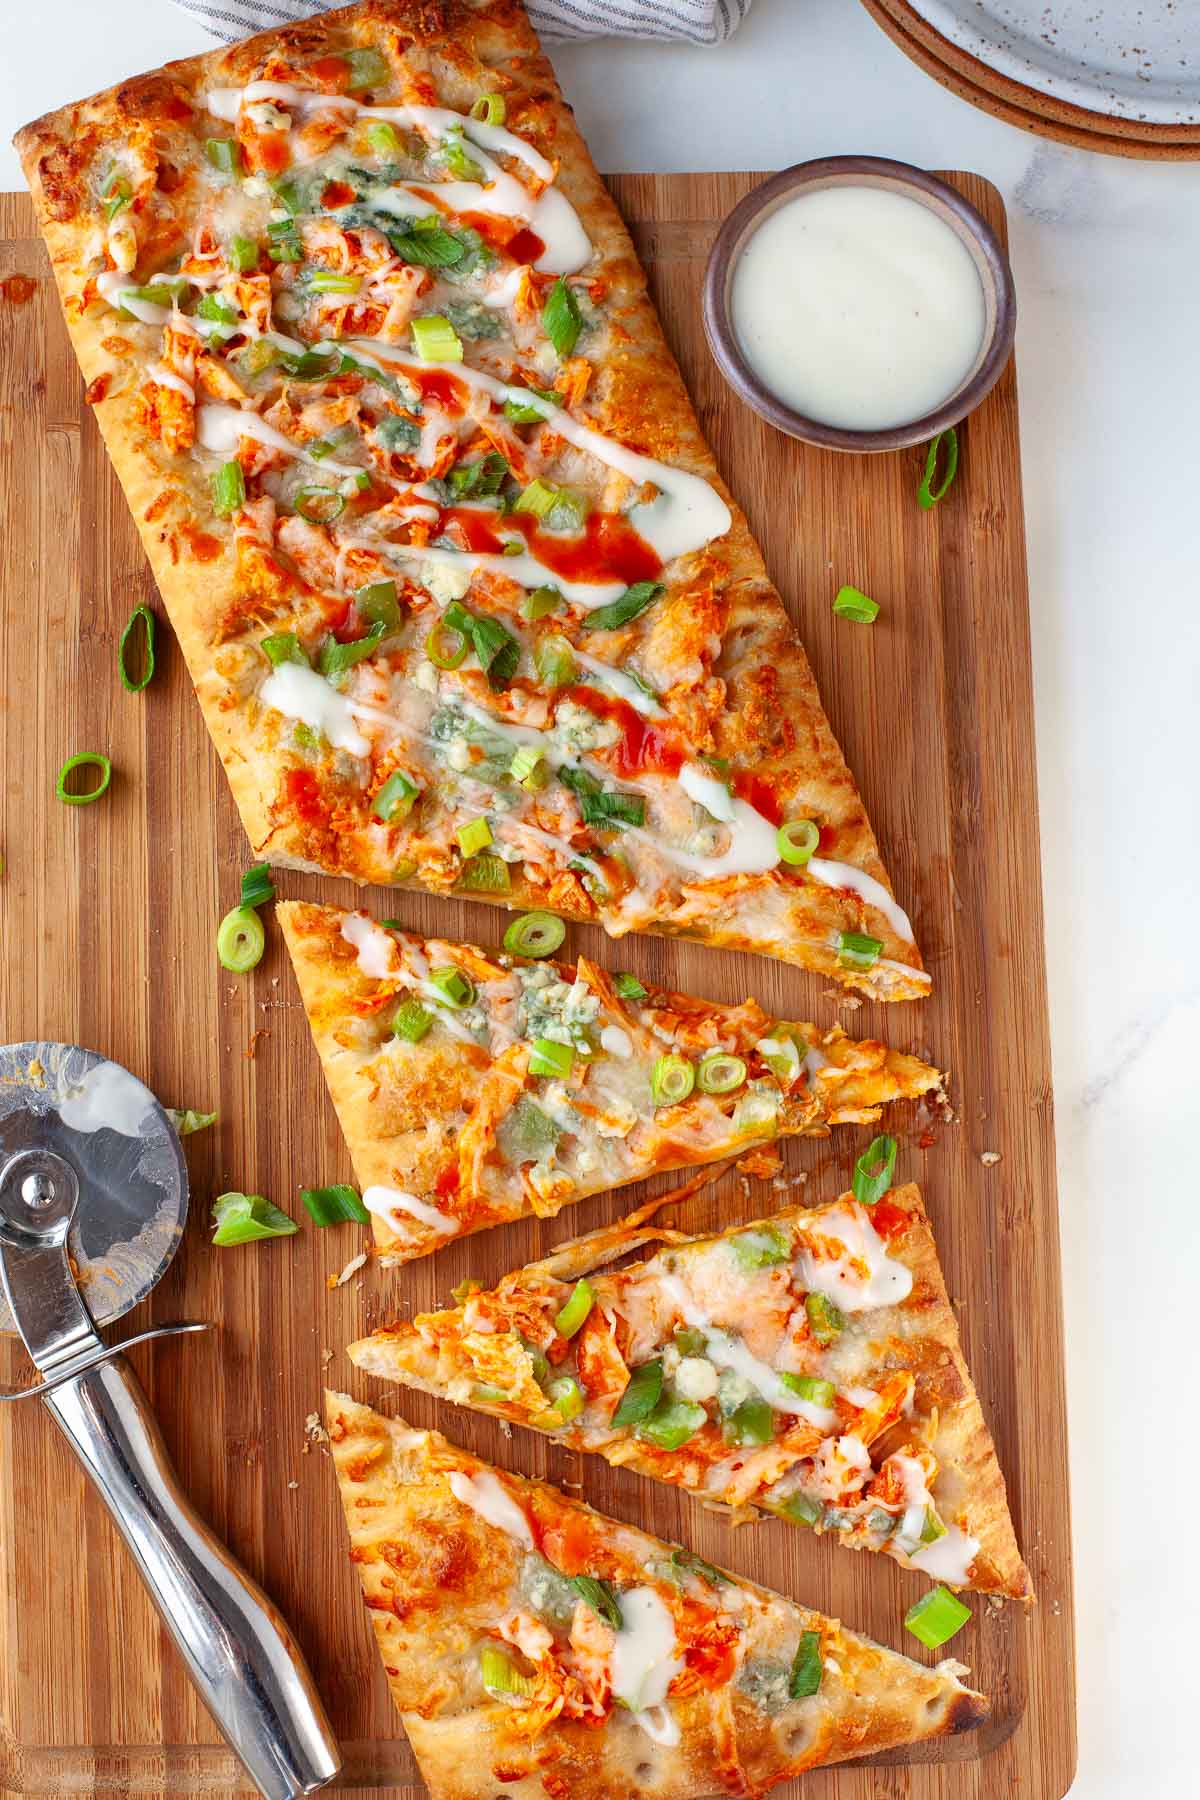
point(93, 1199)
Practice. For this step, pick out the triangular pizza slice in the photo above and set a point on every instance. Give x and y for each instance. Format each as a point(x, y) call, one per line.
point(477, 1086)
point(807, 1365)
point(535, 1648)
point(463, 597)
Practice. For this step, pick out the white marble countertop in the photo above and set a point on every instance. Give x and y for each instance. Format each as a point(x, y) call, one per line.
point(1107, 260)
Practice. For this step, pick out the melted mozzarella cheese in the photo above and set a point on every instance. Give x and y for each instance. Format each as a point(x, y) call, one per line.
point(864, 1275)
point(485, 1495)
point(376, 948)
point(643, 1662)
point(300, 693)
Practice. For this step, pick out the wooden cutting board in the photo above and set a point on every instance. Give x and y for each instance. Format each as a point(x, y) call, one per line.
point(109, 913)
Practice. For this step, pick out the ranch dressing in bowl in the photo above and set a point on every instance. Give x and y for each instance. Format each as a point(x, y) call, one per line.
point(858, 307)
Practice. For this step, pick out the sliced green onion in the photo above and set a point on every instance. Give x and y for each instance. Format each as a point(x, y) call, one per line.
point(228, 489)
point(445, 647)
point(186, 1121)
point(689, 1340)
point(224, 154)
point(328, 281)
point(805, 1679)
point(319, 505)
point(566, 1398)
point(336, 1205)
point(642, 1394)
point(932, 1529)
point(750, 1423)
point(572, 1315)
point(858, 951)
point(85, 759)
point(518, 413)
point(377, 602)
point(562, 320)
point(500, 1674)
point(116, 195)
point(455, 988)
point(797, 839)
point(457, 158)
point(825, 1320)
point(560, 508)
point(800, 1509)
point(244, 1218)
point(411, 1021)
point(539, 603)
point(928, 495)
point(336, 658)
point(217, 311)
point(396, 797)
point(696, 1565)
point(283, 241)
point(601, 1597)
point(852, 603)
point(241, 940)
point(936, 1617)
point(404, 868)
point(535, 934)
point(436, 340)
point(146, 618)
point(490, 109)
point(761, 1248)
point(786, 1060)
point(243, 254)
point(874, 1169)
point(548, 1057)
point(475, 835)
point(537, 498)
point(629, 987)
point(672, 1423)
point(809, 1387)
point(369, 68)
point(484, 874)
point(257, 886)
point(485, 1393)
point(672, 1080)
point(633, 601)
point(383, 138)
point(555, 662)
point(284, 647)
point(720, 1073)
point(529, 768)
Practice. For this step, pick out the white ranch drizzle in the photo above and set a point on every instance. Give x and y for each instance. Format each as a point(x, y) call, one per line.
point(376, 948)
point(624, 685)
point(117, 289)
point(687, 512)
point(949, 1557)
point(110, 1097)
point(218, 428)
point(713, 795)
point(484, 1495)
point(167, 378)
point(643, 1661)
point(300, 693)
point(659, 1724)
point(525, 570)
point(904, 969)
point(391, 1204)
point(872, 892)
point(886, 1281)
point(753, 846)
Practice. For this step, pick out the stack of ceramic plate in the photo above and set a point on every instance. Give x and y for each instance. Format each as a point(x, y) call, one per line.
point(1115, 78)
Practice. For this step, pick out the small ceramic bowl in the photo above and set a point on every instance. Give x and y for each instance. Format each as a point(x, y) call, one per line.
point(1000, 304)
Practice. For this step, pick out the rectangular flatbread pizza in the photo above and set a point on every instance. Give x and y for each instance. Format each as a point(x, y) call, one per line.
point(463, 597)
point(537, 1649)
point(807, 1365)
point(476, 1087)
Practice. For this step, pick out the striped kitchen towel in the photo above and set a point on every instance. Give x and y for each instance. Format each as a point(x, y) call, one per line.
point(689, 21)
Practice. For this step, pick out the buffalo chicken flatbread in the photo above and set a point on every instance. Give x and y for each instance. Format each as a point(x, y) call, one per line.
point(807, 1365)
point(536, 1648)
point(464, 600)
point(474, 1087)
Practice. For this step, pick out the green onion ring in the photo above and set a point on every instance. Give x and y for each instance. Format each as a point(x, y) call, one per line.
point(241, 940)
point(147, 617)
point(874, 1170)
point(331, 506)
point(928, 495)
point(535, 934)
point(796, 840)
point(445, 647)
point(86, 759)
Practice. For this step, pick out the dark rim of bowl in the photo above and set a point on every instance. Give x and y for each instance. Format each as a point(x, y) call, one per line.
point(989, 259)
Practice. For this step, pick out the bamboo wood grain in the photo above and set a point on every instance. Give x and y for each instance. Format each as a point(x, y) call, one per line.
point(109, 913)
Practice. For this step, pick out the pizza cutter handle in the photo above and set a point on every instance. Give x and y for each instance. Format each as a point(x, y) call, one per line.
point(243, 1659)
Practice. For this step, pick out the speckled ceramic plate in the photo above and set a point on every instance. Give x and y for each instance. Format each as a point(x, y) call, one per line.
point(1138, 113)
point(1139, 63)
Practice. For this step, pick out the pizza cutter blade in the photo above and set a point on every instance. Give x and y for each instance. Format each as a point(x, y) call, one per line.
point(93, 1199)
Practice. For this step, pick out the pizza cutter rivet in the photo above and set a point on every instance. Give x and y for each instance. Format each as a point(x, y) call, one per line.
point(38, 1191)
